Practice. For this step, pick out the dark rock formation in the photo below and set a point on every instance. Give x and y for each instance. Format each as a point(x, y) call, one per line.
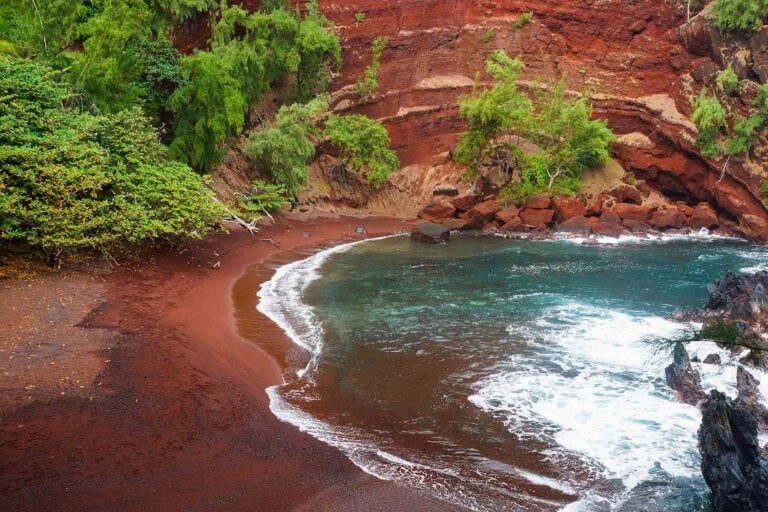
point(712, 359)
point(750, 398)
point(683, 378)
point(445, 190)
point(430, 233)
point(739, 297)
point(732, 463)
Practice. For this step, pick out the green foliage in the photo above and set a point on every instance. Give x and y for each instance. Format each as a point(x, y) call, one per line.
point(363, 145)
point(561, 127)
point(710, 119)
point(524, 19)
point(369, 82)
point(360, 17)
point(733, 15)
point(73, 180)
point(727, 81)
point(488, 35)
point(264, 199)
point(284, 149)
point(764, 189)
point(742, 135)
point(319, 48)
point(161, 72)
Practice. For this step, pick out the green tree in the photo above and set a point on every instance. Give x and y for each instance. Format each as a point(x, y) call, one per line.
point(732, 15)
point(72, 180)
point(363, 146)
point(710, 119)
point(369, 82)
point(319, 50)
point(284, 148)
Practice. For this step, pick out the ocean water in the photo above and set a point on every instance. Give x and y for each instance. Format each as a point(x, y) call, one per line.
point(505, 375)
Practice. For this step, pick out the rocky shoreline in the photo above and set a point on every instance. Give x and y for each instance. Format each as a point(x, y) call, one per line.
point(626, 210)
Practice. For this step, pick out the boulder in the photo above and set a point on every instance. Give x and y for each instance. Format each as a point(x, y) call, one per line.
point(627, 194)
point(632, 211)
point(703, 216)
point(705, 71)
point(684, 207)
point(541, 203)
point(712, 359)
point(635, 226)
point(536, 217)
point(600, 202)
point(507, 214)
point(731, 460)
point(668, 218)
point(465, 202)
point(612, 229)
point(437, 210)
point(430, 233)
point(610, 217)
point(481, 214)
point(513, 226)
point(759, 46)
point(568, 207)
point(445, 190)
point(739, 298)
point(750, 398)
point(455, 224)
point(683, 378)
point(579, 224)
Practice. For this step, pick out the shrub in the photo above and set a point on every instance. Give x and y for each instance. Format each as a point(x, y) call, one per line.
point(732, 15)
point(488, 35)
point(369, 82)
point(264, 199)
point(727, 81)
point(72, 180)
point(710, 119)
point(360, 17)
point(363, 145)
point(283, 148)
point(524, 19)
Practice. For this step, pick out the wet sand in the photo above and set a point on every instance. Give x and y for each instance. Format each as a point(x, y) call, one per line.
point(141, 387)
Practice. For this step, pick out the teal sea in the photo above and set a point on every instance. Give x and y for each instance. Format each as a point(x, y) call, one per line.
point(505, 374)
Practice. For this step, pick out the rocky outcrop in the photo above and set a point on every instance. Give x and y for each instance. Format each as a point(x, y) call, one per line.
point(732, 463)
point(739, 297)
point(430, 233)
point(683, 378)
point(750, 399)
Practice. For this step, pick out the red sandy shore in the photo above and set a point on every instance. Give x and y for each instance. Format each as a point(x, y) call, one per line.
point(142, 388)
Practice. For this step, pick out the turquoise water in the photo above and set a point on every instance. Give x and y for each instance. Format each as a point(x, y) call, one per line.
point(504, 375)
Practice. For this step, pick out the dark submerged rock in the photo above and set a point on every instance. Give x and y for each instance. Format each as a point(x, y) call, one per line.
point(430, 233)
point(712, 359)
point(732, 463)
point(682, 377)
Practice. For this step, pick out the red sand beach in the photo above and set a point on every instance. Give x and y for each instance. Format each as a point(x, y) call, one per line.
point(141, 387)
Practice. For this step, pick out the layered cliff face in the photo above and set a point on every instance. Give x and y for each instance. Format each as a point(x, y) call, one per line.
point(630, 55)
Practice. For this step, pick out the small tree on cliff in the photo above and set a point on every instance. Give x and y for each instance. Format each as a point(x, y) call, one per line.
point(567, 139)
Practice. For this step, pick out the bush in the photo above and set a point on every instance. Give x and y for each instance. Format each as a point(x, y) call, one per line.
point(488, 35)
point(360, 17)
point(73, 180)
point(524, 19)
point(363, 145)
point(727, 81)
point(732, 15)
point(264, 199)
point(369, 82)
point(710, 119)
point(283, 148)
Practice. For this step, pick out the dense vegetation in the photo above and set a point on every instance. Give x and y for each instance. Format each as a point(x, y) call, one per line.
point(72, 179)
point(88, 90)
point(731, 15)
point(566, 140)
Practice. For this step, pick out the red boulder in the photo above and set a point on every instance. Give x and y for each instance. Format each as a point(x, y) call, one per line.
point(541, 203)
point(669, 218)
point(629, 211)
point(578, 224)
point(703, 216)
point(627, 194)
point(455, 224)
point(437, 210)
point(514, 225)
point(536, 217)
point(464, 202)
point(568, 207)
point(507, 214)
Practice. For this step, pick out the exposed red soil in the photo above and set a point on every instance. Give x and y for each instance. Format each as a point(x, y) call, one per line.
point(169, 410)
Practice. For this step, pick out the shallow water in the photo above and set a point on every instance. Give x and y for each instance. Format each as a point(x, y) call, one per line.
point(504, 375)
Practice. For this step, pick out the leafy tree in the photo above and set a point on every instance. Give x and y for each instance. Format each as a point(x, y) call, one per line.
point(284, 148)
point(727, 81)
point(710, 119)
point(369, 82)
point(264, 199)
point(732, 15)
point(363, 145)
point(319, 48)
point(71, 180)
point(561, 126)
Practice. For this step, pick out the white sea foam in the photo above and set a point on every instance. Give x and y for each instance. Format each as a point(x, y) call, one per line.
point(702, 235)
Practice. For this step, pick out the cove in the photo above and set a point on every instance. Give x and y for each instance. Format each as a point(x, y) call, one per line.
point(505, 375)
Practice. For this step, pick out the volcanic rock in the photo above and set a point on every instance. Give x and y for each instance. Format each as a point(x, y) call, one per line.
point(712, 359)
point(437, 210)
point(732, 463)
point(430, 233)
point(627, 194)
point(759, 46)
point(445, 190)
point(536, 217)
point(507, 214)
point(465, 202)
point(750, 398)
point(683, 378)
point(455, 224)
point(541, 202)
point(514, 225)
point(703, 216)
point(669, 218)
point(632, 211)
point(579, 224)
point(568, 207)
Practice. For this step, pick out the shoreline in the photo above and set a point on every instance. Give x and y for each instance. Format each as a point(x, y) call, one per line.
point(172, 412)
